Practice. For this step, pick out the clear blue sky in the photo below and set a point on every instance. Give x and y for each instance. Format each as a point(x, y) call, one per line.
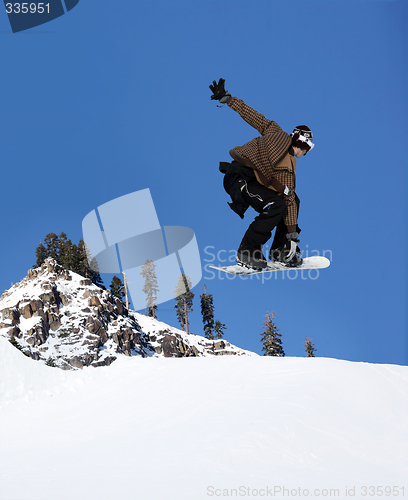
point(113, 97)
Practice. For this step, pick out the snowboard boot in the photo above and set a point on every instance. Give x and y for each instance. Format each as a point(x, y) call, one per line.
point(252, 258)
point(280, 255)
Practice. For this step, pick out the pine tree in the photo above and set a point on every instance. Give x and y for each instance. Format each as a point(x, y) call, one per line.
point(56, 247)
point(72, 257)
point(52, 242)
point(64, 250)
point(51, 362)
point(84, 264)
point(95, 277)
point(14, 343)
point(80, 259)
point(126, 289)
point(117, 288)
point(271, 338)
point(48, 249)
point(219, 329)
point(310, 350)
point(41, 254)
point(150, 287)
point(91, 267)
point(207, 312)
point(184, 301)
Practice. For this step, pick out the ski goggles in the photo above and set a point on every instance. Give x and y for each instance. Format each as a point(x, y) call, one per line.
point(306, 140)
point(303, 136)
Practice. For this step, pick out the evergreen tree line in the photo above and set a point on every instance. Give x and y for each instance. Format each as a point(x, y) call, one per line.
point(272, 340)
point(70, 256)
point(76, 258)
point(184, 297)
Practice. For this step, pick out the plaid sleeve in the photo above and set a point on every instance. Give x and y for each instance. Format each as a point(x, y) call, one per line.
point(288, 179)
point(252, 117)
point(290, 217)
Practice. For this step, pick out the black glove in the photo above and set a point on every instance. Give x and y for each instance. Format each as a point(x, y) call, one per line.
point(219, 92)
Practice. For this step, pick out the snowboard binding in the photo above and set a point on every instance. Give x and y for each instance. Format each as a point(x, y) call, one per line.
point(280, 255)
point(251, 259)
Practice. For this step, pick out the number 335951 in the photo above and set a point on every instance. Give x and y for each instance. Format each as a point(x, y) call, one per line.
point(25, 8)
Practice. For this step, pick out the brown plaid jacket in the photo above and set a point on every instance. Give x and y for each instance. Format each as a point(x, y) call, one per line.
point(268, 156)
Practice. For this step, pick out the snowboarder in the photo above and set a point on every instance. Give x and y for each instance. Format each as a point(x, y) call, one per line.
point(262, 175)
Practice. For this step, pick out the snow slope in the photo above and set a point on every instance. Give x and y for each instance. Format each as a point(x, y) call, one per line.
point(199, 428)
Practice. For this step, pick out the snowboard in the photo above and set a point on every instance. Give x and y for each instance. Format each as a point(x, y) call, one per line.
point(315, 262)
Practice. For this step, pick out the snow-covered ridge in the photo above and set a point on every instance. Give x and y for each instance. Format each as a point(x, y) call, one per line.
point(205, 427)
point(63, 319)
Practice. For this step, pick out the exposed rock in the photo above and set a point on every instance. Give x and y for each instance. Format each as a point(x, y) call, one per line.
point(65, 299)
point(37, 307)
point(122, 311)
point(103, 336)
point(11, 314)
point(62, 319)
point(219, 345)
point(94, 301)
point(25, 311)
point(15, 332)
point(54, 322)
point(76, 362)
point(195, 350)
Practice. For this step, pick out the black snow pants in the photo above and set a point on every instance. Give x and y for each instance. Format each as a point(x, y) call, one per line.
point(270, 208)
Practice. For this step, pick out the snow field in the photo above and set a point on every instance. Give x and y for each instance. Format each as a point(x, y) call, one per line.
point(199, 428)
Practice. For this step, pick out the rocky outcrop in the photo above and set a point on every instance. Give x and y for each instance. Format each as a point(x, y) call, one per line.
point(59, 317)
point(175, 345)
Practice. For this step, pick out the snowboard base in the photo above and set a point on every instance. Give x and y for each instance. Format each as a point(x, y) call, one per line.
point(315, 262)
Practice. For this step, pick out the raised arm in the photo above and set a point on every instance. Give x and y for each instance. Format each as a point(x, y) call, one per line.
point(252, 117)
